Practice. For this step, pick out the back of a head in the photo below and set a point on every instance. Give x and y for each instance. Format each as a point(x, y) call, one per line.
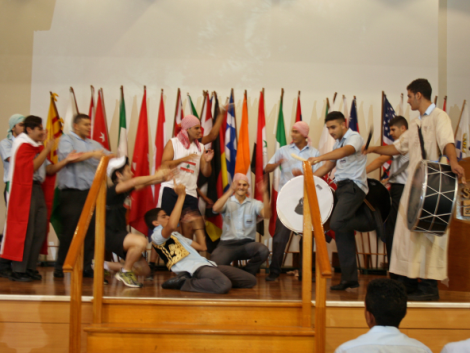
point(422, 86)
point(335, 115)
point(398, 121)
point(151, 216)
point(386, 300)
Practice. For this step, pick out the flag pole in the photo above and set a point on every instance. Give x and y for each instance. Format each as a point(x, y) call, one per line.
point(74, 99)
point(381, 126)
point(460, 117)
point(444, 104)
point(234, 117)
point(178, 95)
point(435, 100)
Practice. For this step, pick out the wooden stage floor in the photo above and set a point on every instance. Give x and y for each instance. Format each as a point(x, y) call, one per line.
point(285, 288)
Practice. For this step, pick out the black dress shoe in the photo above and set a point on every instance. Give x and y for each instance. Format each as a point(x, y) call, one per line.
point(34, 274)
point(176, 282)
point(343, 285)
point(422, 297)
point(5, 273)
point(88, 273)
point(58, 273)
point(20, 277)
point(272, 277)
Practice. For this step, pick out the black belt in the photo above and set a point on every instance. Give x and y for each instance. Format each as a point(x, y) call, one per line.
point(37, 182)
point(344, 182)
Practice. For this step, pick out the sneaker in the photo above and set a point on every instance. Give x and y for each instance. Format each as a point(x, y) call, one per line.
point(129, 279)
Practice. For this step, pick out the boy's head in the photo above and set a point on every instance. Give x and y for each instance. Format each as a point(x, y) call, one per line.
point(419, 90)
point(119, 170)
point(33, 128)
point(156, 217)
point(398, 125)
point(336, 124)
point(82, 125)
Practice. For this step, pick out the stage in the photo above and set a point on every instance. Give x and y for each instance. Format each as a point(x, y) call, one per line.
point(34, 316)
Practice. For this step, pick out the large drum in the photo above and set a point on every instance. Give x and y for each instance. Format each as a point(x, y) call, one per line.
point(290, 202)
point(432, 198)
point(379, 197)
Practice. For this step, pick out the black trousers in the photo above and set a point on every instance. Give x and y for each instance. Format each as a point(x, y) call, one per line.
point(218, 280)
point(243, 249)
point(344, 220)
point(396, 191)
point(280, 240)
point(71, 206)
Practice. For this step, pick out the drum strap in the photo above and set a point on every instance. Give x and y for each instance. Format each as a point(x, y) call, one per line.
point(421, 143)
point(400, 170)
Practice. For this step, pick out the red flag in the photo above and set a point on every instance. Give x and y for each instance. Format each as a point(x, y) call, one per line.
point(298, 113)
point(444, 106)
point(100, 126)
point(179, 114)
point(261, 149)
point(159, 145)
point(142, 200)
point(91, 111)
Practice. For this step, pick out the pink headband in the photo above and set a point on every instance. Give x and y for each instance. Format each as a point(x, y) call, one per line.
point(188, 122)
point(303, 128)
point(238, 177)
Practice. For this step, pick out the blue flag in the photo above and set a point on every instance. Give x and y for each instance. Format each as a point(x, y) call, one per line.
point(388, 115)
point(231, 141)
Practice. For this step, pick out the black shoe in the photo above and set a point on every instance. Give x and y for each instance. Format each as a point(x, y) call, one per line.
point(5, 273)
point(20, 277)
point(343, 285)
point(34, 274)
point(176, 282)
point(88, 273)
point(272, 277)
point(58, 273)
point(422, 297)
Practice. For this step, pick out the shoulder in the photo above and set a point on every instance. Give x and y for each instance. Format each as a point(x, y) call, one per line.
point(313, 151)
point(157, 236)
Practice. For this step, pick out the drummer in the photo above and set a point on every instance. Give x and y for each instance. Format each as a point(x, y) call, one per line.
point(421, 255)
point(291, 167)
point(240, 214)
point(398, 174)
point(351, 179)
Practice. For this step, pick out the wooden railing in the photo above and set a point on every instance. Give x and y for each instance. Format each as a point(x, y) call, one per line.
point(74, 261)
point(322, 264)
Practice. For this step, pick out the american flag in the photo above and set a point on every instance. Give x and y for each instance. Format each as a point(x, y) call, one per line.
point(388, 114)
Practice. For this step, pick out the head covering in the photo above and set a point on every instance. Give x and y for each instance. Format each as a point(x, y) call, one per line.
point(188, 122)
point(238, 177)
point(303, 128)
point(14, 119)
point(115, 164)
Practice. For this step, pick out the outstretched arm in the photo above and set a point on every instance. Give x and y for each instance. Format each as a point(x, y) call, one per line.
point(161, 175)
point(334, 155)
point(325, 169)
point(389, 150)
point(377, 163)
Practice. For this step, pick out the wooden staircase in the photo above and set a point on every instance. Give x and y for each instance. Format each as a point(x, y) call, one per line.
point(184, 325)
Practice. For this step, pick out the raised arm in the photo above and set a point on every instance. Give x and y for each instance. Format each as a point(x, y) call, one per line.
point(377, 163)
point(212, 135)
point(219, 204)
point(175, 216)
point(206, 167)
point(41, 157)
point(266, 211)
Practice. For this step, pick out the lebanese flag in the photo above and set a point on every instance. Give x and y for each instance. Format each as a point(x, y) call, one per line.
point(160, 141)
point(91, 110)
point(298, 113)
point(179, 114)
point(20, 176)
point(141, 200)
point(100, 126)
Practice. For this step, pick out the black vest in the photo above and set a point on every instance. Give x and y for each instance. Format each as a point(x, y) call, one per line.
point(171, 251)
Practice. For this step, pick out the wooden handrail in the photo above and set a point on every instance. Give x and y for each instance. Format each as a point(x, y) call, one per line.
point(87, 214)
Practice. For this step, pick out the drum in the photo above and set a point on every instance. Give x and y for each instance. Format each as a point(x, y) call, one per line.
point(290, 202)
point(379, 197)
point(432, 198)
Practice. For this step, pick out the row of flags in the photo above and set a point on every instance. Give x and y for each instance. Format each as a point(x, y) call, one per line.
point(231, 154)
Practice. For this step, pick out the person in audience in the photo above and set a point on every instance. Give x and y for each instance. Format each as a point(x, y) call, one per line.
point(240, 214)
point(74, 182)
point(15, 128)
point(26, 227)
point(457, 347)
point(290, 168)
point(385, 308)
point(194, 272)
point(128, 246)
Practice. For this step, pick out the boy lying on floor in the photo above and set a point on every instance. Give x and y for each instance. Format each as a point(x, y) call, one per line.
point(194, 272)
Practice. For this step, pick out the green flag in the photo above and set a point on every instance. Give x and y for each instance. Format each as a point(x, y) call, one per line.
point(122, 135)
point(190, 109)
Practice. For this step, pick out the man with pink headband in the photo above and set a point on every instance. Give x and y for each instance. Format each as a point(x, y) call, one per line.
point(188, 156)
point(240, 214)
point(291, 167)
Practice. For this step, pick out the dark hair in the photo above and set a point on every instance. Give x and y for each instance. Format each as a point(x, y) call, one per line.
point(79, 116)
point(151, 216)
point(32, 122)
point(386, 300)
point(422, 86)
point(335, 116)
point(398, 121)
point(120, 170)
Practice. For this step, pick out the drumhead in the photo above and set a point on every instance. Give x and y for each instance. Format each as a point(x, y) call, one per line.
point(289, 205)
point(417, 193)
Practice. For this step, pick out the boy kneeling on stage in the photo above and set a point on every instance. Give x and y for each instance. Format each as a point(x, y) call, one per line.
point(128, 246)
point(195, 273)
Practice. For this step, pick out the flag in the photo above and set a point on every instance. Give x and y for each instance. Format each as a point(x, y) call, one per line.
point(70, 113)
point(345, 105)
point(387, 114)
point(400, 107)
point(298, 111)
point(260, 155)
point(461, 136)
point(223, 160)
point(326, 141)
point(91, 110)
point(160, 141)
point(122, 135)
point(100, 126)
point(142, 200)
point(190, 109)
point(281, 140)
point(179, 114)
point(230, 140)
point(206, 118)
point(353, 122)
point(242, 164)
point(444, 105)
point(215, 188)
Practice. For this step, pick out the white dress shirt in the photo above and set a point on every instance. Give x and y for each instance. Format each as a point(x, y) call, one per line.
point(457, 347)
point(383, 339)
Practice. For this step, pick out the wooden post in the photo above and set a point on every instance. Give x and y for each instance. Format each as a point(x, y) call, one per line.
point(307, 264)
point(75, 329)
point(100, 220)
point(320, 309)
